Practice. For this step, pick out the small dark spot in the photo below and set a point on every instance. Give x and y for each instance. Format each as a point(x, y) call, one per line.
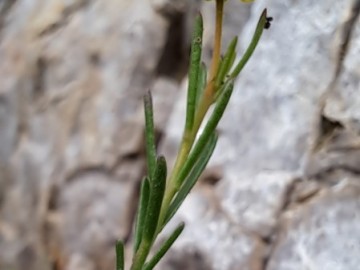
point(95, 59)
point(198, 40)
point(328, 128)
point(55, 265)
point(268, 22)
point(328, 125)
point(131, 156)
point(53, 200)
point(212, 176)
point(211, 180)
point(39, 78)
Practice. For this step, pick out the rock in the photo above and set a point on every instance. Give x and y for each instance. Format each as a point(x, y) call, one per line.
point(342, 104)
point(209, 235)
point(283, 179)
point(175, 127)
point(321, 233)
point(255, 201)
point(90, 227)
point(164, 92)
point(79, 262)
point(71, 124)
point(288, 91)
point(170, 8)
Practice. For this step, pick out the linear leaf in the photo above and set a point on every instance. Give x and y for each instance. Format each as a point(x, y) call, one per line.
point(249, 51)
point(202, 79)
point(221, 88)
point(227, 62)
point(157, 188)
point(165, 247)
point(150, 134)
point(119, 255)
point(194, 175)
point(207, 132)
point(141, 212)
point(195, 58)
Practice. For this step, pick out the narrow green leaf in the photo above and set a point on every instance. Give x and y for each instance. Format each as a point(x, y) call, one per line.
point(194, 175)
point(150, 135)
point(227, 62)
point(141, 212)
point(164, 247)
point(157, 188)
point(201, 82)
point(119, 255)
point(255, 40)
point(195, 58)
point(221, 88)
point(206, 134)
point(232, 60)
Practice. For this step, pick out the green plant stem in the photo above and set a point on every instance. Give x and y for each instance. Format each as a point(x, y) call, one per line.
point(161, 197)
point(205, 103)
point(141, 212)
point(217, 39)
point(157, 188)
point(193, 176)
point(140, 257)
point(195, 63)
point(119, 255)
point(164, 247)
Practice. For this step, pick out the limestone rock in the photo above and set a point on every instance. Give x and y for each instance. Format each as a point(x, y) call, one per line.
point(321, 233)
point(283, 182)
point(255, 201)
point(211, 240)
point(71, 126)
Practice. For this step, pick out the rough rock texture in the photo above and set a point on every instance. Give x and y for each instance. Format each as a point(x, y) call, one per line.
point(71, 123)
point(282, 190)
point(321, 233)
point(211, 233)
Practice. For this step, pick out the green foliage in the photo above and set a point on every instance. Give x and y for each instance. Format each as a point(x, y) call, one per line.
point(193, 176)
point(227, 62)
point(141, 212)
point(160, 195)
point(195, 59)
point(119, 255)
point(165, 247)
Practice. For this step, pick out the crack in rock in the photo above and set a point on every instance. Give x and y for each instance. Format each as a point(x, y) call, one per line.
point(271, 239)
point(346, 31)
point(65, 17)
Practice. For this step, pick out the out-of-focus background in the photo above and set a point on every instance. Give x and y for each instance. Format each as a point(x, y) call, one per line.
point(282, 191)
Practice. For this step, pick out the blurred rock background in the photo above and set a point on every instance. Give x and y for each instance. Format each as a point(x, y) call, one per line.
point(282, 191)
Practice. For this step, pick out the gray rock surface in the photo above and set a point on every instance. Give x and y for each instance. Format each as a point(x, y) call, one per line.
point(213, 237)
point(73, 74)
point(321, 233)
point(281, 191)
